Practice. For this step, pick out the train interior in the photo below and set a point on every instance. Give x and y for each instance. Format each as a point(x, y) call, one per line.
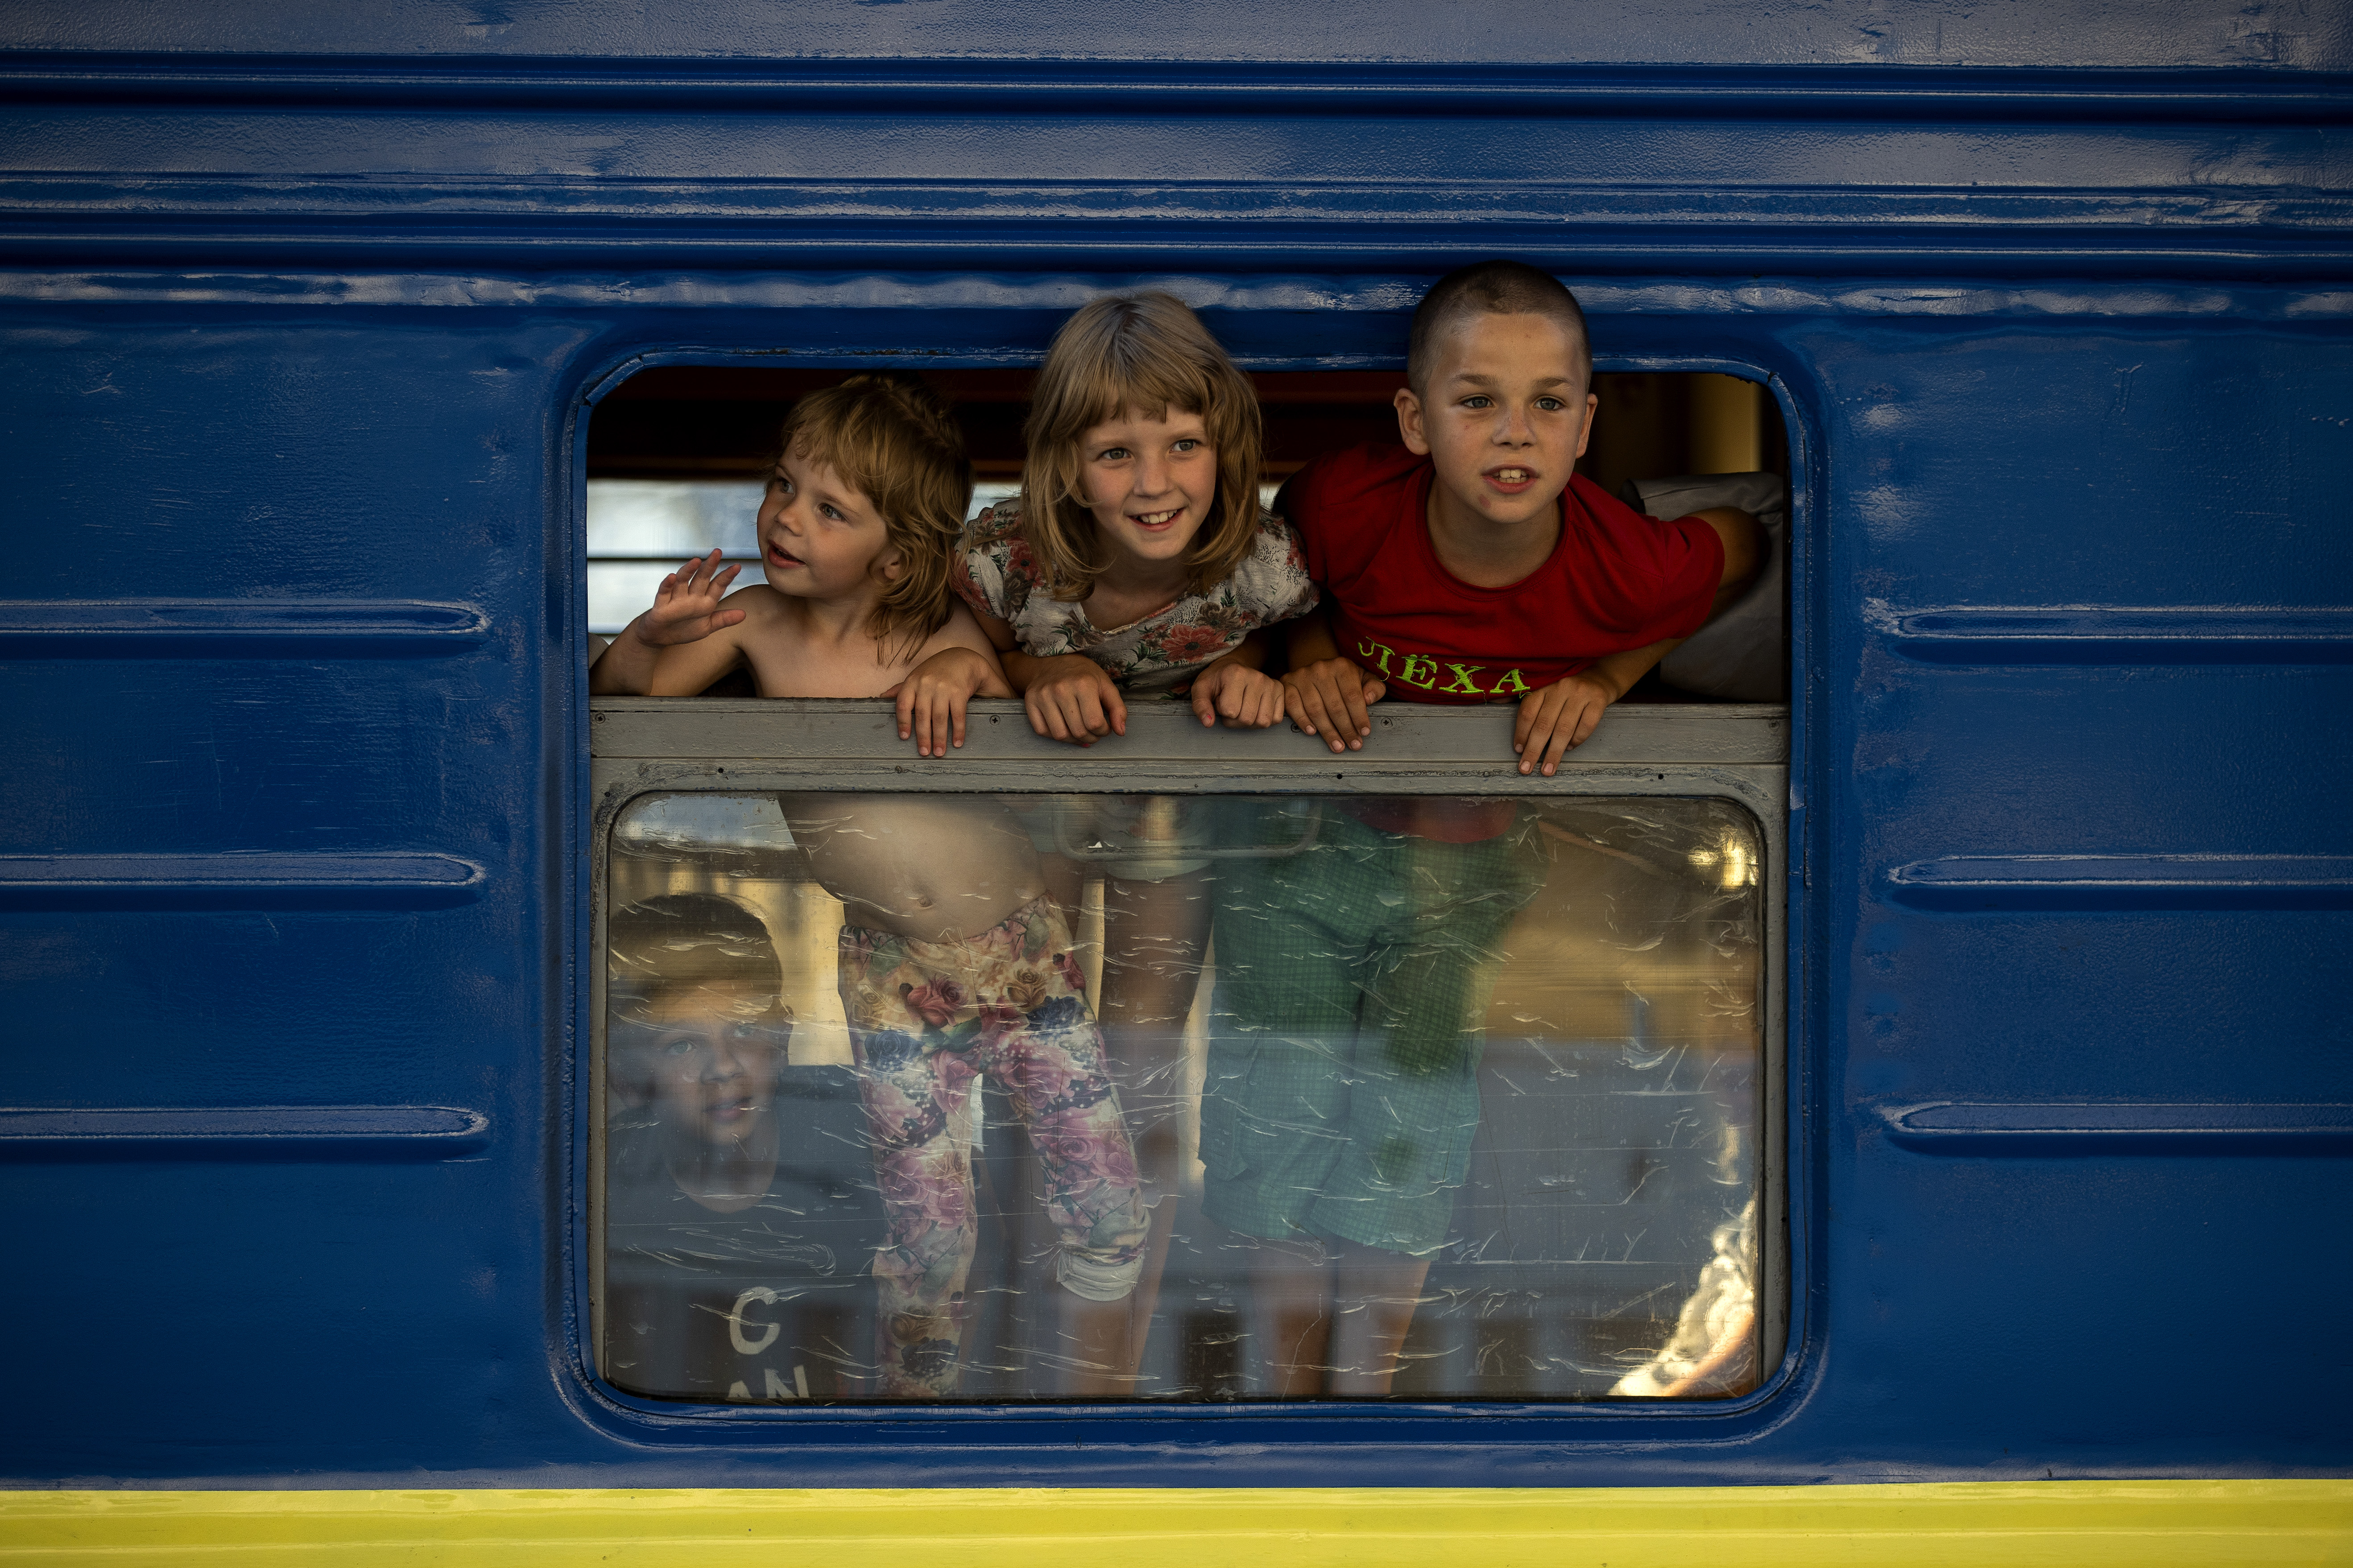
point(1596, 1231)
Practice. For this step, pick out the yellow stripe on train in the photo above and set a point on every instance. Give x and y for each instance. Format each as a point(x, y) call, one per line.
point(2066, 1525)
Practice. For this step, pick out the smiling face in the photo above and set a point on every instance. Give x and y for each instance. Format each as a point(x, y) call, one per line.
point(705, 1059)
point(1504, 418)
point(819, 537)
point(1149, 484)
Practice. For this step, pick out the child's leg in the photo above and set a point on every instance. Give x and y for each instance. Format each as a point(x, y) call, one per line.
point(1047, 1051)
point(1426, 979)
point(1289, 1317)
point(916, 1112)
point(1153, 936)
point(1344, 1090)
point(1415, 1105)
point(1154, 932)
point(1274, 1109)
point(1330, 1316)
point(916, 1103)
point(1374, 1297)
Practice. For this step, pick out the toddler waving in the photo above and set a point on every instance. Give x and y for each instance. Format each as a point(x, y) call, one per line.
point(954, 965)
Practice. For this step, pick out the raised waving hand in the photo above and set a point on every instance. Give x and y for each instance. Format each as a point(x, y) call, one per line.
point(686, 605)
point(685, 610)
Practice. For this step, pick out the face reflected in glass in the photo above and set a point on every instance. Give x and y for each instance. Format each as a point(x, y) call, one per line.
point(704, 1060)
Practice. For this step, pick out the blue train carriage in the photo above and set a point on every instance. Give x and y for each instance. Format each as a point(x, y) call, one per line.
point(1908, 1118)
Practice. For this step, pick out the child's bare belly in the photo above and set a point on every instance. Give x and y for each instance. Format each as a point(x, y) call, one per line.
point(922, 867)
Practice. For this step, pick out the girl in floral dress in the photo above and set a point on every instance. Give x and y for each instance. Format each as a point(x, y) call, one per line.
point(1137, 563)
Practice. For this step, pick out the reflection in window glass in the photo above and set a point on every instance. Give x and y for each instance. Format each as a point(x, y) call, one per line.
point(932, 1096)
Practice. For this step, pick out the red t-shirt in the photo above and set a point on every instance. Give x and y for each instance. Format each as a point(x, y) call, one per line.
point(1616, 580)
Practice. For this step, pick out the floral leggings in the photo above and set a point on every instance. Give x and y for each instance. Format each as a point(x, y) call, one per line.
point(927, 1018)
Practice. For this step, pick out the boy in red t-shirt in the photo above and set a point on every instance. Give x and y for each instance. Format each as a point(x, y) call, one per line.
point(1471, 564)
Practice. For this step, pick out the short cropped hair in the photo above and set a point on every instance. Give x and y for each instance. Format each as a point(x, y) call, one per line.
point(893, 439)
point(1148, 352)
point(681, 940)
point(1498, 288)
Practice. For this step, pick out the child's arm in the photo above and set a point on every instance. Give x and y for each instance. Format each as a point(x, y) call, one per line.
point(959, 665)
point(1326, 694)
point(686, 611)
point(1556, 719)
point(1233, 687)
point(1068, 697)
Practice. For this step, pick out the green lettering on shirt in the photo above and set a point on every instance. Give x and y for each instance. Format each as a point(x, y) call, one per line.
point(1463, 681)
point(1510, 682)
point(1378, 652)
point(1418, 670)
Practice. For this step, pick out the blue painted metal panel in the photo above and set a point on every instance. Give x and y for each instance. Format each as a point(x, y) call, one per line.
point(300, 308)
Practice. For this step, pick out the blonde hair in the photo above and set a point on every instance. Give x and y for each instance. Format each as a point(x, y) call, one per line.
point(891, 438)
point(1146, 351)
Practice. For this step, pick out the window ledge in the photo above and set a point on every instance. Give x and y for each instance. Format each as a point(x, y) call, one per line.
point(661, 728)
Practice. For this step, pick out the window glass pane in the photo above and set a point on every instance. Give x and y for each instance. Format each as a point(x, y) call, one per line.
point(1181, 1098)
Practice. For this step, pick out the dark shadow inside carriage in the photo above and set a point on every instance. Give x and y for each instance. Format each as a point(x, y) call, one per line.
point(1601, 1232)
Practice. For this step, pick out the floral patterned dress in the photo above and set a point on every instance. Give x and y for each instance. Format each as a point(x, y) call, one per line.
point(999, 574)
point(926, 1021)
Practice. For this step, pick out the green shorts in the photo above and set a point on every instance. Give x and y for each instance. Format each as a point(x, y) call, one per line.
point(1353, 981)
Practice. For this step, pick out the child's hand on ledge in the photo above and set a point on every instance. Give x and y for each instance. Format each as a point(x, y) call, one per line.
point(1071, 698)
point(1242, 698)
point(1328, 698)
point(931, 698)
point(1556, 718)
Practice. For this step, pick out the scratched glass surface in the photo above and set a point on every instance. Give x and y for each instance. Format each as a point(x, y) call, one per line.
point(959, 1097)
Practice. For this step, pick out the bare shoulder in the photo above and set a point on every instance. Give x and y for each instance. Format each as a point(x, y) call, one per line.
point(757, 601)
point(769, 625)
point(766, 613)
point(961, 630)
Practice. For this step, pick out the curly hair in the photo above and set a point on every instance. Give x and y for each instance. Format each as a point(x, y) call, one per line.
point(892, 437)
point(1146, 351)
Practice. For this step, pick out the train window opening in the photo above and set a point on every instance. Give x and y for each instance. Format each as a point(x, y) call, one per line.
point(1182, 1071)
point(676, 461)
point(1355, 1122)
